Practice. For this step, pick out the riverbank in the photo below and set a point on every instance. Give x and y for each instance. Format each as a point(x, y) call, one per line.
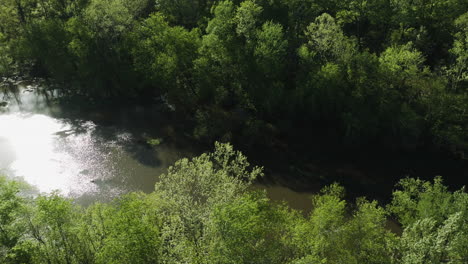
point(291, 169)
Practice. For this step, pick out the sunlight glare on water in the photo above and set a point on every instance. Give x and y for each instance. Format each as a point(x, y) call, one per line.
point(33, 142)
point(49, 147)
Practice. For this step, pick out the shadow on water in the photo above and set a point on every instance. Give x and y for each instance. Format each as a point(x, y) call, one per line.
point(370, 173)
point(123, 136)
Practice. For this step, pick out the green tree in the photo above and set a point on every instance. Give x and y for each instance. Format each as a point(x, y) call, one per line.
point(369, 21)
point(333, 236)
point(221, 71)
point(326, 41)
point(191, 190)
point(322, 57)
point(217, 68)
point(459, 70)
point(12, 223)
point(428, 24)
point(417, 199)
point(250, 229)
point(426, 241)
point(125, 231)
point(434, 221)
point(53, 226)
point(247, 19)
point(270, 57)
point(187, 13)
point(164, 55)
point(5, 59)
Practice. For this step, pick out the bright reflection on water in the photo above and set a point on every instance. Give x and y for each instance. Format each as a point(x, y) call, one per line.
point(51, 149)
point(34, 146)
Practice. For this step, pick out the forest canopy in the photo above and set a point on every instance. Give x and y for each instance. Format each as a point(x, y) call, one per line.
point(204, 211)
point(392, 74)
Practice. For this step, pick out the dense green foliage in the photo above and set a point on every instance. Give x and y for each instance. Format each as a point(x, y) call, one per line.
point(382, 73)
point(204, 211)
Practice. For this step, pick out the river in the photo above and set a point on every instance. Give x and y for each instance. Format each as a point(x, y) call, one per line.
point(92, 155)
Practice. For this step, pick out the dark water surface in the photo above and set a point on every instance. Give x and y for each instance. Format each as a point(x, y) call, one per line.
point(92, 155)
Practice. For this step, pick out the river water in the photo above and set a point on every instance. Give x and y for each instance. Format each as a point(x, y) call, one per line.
point(92, 155)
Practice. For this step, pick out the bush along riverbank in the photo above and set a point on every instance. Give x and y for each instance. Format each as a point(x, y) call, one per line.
point(202, 211)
